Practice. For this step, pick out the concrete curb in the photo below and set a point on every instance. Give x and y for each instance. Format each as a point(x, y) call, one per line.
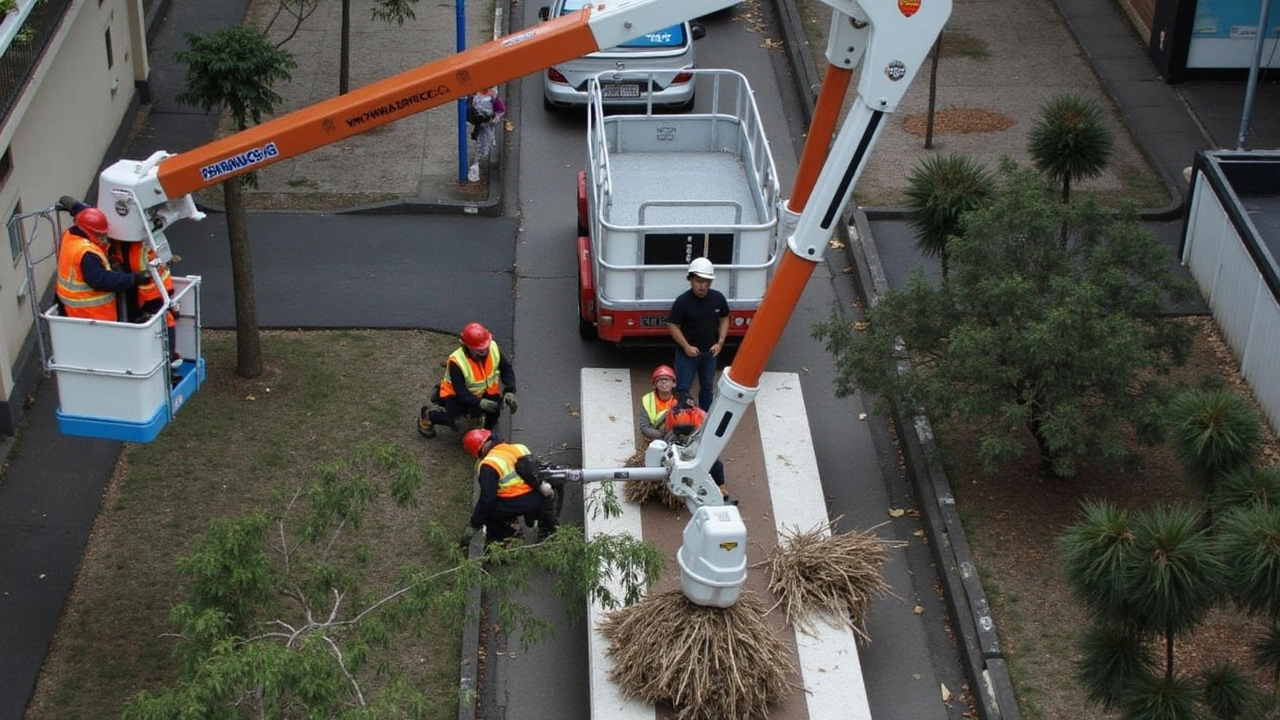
point(980, 651)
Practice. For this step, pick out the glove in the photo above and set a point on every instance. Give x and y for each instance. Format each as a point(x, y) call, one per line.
point(464, 540)
point(510, 400)
point(68, 203)
point(141, 278)
point(489, 406)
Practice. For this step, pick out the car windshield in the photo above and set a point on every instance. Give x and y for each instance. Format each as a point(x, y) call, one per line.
point(665, 38)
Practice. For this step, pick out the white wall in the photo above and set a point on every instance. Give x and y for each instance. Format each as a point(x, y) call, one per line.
point(57, 134)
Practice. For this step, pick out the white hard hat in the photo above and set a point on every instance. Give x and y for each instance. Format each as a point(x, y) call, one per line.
point(703, 268)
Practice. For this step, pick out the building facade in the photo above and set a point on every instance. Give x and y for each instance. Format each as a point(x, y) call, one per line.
point(72, 73)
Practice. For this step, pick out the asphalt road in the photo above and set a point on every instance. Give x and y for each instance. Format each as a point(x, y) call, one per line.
point(911, 655)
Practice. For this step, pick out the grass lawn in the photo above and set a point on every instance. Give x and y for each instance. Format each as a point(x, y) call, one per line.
point(232, 447)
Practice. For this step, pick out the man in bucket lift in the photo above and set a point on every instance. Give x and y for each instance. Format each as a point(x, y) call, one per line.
point(509, 489)
point(87, 284)
point(478, 381)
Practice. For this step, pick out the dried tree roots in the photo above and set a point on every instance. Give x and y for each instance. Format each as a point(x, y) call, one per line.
point(708, 663)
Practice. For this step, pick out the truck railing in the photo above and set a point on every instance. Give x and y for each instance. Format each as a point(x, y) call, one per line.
point(624, 218)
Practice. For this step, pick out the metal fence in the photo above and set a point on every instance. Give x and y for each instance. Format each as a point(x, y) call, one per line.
point(1235, 201)
point(24, 52)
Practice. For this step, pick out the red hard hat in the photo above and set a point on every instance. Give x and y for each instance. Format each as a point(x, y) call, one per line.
point(474, 440)
point(663, 371)
point(93, 220)
point(476, 337)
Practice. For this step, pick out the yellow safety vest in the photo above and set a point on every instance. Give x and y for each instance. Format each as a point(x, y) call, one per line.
point(502, 458)
point(654, 406)
point(482, 378)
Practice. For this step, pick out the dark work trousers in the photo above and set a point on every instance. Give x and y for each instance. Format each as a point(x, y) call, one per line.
point(454, 410)
point(533, 506)
point(704, 366)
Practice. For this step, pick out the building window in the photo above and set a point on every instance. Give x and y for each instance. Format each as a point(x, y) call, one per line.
point(16, 232)
point(111, 58)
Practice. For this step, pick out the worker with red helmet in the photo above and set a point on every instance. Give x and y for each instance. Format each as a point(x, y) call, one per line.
point(478, 381)
point(682, 421)
point(507, 474)
point(87, 284)
point(652, 416)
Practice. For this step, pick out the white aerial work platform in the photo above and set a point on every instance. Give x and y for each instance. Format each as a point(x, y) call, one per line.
point(114, 379)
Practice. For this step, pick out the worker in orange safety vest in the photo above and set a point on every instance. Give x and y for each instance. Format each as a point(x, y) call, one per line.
point(478, 381)
point(507, 474)
point(682, 422)
point(149, 301)
point(87, 284)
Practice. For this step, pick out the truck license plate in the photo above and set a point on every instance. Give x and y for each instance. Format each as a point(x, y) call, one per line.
point(653, 321)
point(620, 90)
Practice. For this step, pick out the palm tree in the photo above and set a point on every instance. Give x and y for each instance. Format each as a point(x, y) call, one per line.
point(1214, 432)
point(1070, 140)
point(939, 192)
point(235, 69)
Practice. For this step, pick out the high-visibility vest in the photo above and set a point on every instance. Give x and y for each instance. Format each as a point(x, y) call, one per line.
point(482, 378)
point(654, 406)
point(502, 458)
point(78, 299)
point(136, 263)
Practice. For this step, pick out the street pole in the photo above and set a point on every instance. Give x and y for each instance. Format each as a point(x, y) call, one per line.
point(461, 23)
point(1246, 114)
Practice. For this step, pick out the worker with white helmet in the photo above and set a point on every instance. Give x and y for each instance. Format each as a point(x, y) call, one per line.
point(478, 381)
point(699, 323)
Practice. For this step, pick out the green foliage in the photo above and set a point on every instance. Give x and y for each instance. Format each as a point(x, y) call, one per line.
point(396, 11)
point(1064, 341)
point(939, 192)
point(1095, 554)
point(1159, 698)
point(1070, 140)
point(1175, 574)
point(1213, 432)
point(1250, 537)
point(1266, 651)
point(328, 650)
point(1246, 487)
point(1111, 660)
point(230, 569)
point(1225, 691)
point(234, 68)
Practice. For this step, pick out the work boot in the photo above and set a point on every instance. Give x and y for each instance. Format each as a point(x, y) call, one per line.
point(426, 428)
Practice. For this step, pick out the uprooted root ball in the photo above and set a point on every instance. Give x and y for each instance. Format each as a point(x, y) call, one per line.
point(821, 572)
point(709, 663)
point(642, 491)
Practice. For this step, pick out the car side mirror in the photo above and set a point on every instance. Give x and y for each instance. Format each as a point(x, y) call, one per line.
point(697, 30)
point(544, 12)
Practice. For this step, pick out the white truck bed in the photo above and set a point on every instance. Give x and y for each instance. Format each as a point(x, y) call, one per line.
point(716, 179)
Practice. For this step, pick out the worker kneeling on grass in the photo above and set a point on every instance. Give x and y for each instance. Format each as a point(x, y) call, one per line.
point(509, 490)
point(478, 381)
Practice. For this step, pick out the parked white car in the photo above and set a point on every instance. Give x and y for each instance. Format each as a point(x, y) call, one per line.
point(662, 58)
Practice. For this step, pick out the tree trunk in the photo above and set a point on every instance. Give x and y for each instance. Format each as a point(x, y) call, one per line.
point(344, 60)
point(933, 93)
point(248, 341)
